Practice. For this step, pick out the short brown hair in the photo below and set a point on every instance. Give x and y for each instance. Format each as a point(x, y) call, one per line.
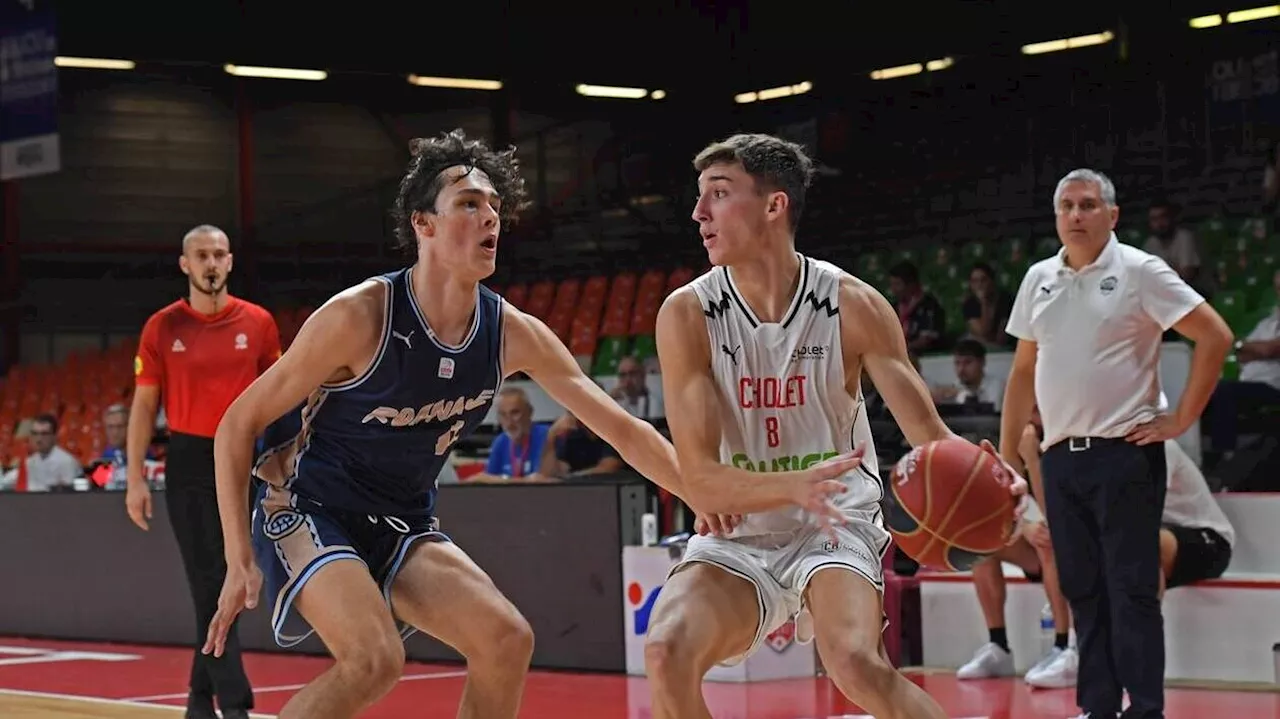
point(775, 164)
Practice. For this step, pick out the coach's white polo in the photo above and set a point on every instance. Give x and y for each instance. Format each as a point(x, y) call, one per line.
point(1097, 332)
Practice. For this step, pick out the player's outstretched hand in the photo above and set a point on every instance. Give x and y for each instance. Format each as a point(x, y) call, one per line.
point(720, 525)
point(239, 591)
point(816, 485)
point(1017, 487)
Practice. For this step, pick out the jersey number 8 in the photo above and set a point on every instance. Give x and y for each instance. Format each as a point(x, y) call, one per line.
point(771, 431)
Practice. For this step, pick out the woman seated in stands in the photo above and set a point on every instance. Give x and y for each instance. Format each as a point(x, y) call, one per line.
point(986, 308)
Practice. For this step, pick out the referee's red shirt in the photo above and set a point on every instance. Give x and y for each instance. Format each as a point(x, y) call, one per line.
point(203, 362)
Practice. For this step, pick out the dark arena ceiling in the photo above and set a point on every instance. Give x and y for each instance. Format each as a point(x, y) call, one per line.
point(700, 45)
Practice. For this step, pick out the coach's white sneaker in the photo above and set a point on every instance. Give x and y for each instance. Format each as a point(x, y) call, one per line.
point(1057, 673)
point(992, 660)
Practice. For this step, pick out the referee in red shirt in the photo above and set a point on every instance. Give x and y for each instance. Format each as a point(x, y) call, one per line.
point(197, 355)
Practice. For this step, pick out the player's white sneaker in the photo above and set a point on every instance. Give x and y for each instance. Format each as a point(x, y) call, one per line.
point(991, 660)
point(1053, 653)
point(1058, 673)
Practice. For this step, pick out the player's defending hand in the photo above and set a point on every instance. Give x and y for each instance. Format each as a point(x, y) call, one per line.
point(239, 591)
point(815, 486)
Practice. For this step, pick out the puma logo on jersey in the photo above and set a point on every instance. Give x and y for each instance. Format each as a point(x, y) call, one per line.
point(771, 392)
point(433, 412)
point(733, 353)
point(404, 338)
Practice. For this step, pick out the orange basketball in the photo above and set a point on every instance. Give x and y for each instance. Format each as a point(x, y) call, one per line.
point(950, 504)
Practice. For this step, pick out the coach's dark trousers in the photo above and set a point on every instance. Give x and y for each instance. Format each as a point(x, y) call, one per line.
point(192, 499)
point(1104, 499)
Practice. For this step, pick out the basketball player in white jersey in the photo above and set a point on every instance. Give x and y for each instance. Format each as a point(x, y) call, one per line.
point(761, 365)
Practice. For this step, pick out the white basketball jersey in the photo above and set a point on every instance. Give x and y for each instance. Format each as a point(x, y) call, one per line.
point(784, 404)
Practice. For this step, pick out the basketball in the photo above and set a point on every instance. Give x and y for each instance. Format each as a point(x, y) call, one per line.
point(950, 504)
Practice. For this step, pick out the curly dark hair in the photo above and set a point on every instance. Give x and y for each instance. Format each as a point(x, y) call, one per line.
point(774, 163)
point(423, 180)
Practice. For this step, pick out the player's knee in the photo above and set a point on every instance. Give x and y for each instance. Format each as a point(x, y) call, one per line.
point(508, 642)
point(374, 665)
point(665, 653)
point(515, 639)
point(860, 673)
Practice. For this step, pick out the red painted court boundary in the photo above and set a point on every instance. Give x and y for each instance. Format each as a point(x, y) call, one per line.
point(126, 675)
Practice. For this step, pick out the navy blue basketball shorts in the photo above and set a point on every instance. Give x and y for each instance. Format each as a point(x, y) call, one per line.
point(293, 538)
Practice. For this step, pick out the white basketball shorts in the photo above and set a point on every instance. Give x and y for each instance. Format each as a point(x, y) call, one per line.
point(781, 575)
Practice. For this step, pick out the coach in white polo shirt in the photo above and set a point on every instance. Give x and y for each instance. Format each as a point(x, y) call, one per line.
point(1089, 322)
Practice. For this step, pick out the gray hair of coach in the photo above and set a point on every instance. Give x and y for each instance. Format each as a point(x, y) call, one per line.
point(1105, 186)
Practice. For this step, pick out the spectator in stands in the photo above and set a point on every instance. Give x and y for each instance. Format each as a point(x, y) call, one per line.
point(516, 454)
point(973, 385)
point(632, 392)
point(986, 307)
point(923, 319)
point(1173, 243)
point(573, 450)
point(115, 430)
point(1258, 385)
point(49, 467)
point(1032, 552)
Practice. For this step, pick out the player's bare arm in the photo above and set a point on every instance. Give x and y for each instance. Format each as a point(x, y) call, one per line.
point(872, 334)
point(692, 402)
point(529, 346)
point(1019, 399)
point(335, 344)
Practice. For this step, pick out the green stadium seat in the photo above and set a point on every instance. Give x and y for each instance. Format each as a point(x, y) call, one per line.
point(1231, 304)
point(976, 251)
point(1046, 246)
point(645, 346)
point(609, 354)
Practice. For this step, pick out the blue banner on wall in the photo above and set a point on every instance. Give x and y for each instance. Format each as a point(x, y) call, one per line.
point(28, 89)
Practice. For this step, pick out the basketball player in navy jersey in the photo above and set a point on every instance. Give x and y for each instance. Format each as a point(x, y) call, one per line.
point(762, 359)
point(390, 374)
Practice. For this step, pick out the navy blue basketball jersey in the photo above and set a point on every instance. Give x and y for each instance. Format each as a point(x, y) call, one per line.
point(375, 443)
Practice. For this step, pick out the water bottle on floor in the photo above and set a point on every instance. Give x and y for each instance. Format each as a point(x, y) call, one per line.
point(1046, 630)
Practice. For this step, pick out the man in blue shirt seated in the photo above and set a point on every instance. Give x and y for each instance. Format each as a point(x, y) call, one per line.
point(516, 454)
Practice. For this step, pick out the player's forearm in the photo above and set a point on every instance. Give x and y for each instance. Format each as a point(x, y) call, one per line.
point(1206, 367)
point(233, 463)
point(724, 489)
point(1019, 399)
point(650, 454)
